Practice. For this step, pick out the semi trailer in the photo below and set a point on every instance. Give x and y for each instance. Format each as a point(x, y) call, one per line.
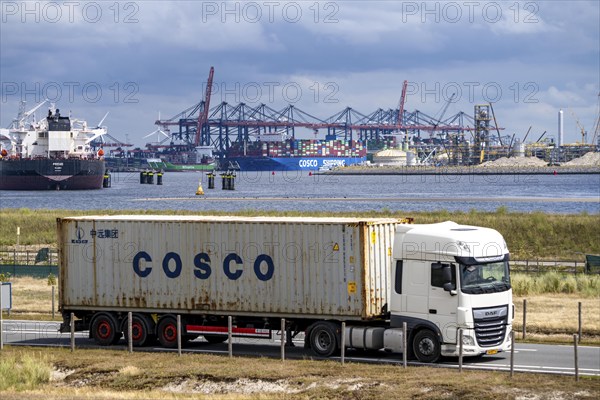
point(374, 274)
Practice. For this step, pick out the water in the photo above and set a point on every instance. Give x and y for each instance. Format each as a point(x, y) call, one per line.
point(297, 191)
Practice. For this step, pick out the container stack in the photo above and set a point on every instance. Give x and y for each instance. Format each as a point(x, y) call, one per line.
point(314, 148)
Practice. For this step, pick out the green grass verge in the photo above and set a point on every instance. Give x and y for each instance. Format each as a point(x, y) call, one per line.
point(555, 283)
point(529, 235)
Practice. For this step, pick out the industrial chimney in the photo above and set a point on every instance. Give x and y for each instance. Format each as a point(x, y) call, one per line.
point(560, 128)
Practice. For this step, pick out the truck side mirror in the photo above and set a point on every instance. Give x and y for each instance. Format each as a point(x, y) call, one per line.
point(447, 272)
point(449, 287)
point(447, 275)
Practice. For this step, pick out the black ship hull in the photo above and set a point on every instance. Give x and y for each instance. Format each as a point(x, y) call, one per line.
point(51, 174)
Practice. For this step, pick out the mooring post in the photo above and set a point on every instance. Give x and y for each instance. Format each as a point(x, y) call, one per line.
point(460, 350)
point(580, 321)
point(576, 360)
point(524, 318)
point(53, 302)
point(512, 353)
point(282, 339)
point(179, 334)
point(130, 331)
point(404, 345)
point(72, 323)
point(229, 336)
point(343, 344)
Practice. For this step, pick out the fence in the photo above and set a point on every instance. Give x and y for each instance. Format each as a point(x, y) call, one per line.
point(42, 256)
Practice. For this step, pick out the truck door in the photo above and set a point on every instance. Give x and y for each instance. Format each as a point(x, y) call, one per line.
point(442, 304)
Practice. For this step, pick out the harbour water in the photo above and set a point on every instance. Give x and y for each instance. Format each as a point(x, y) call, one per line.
point(299, 191)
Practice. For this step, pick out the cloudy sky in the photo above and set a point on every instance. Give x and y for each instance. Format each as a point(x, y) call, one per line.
point(136, 59)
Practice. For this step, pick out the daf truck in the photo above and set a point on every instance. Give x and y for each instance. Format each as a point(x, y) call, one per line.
point(373, 274)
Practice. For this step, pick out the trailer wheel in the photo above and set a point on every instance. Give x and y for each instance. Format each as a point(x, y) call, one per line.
point(323, 340)
point(215, 338)
point(140, 330)
point(104, 330)
point(167, 332)
point(426, 346)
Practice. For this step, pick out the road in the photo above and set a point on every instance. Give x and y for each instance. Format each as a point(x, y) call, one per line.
point(536, 358)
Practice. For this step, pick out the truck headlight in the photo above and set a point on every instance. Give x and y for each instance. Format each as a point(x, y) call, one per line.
point(468, 340)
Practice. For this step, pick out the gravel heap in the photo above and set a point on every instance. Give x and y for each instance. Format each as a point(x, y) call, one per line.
point(515, 162)
point(590, 159)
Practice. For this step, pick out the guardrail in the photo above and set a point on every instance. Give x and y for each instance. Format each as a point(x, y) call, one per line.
point(42, 256)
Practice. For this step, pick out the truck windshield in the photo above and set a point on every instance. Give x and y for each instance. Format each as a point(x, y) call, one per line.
point(485, 278)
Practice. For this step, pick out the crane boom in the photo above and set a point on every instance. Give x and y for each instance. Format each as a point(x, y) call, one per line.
point(401, 105)
point(203, 115)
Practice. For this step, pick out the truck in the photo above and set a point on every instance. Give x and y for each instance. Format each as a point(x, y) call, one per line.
point(376, 275)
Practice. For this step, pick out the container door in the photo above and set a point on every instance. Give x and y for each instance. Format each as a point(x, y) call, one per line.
point(443, 305)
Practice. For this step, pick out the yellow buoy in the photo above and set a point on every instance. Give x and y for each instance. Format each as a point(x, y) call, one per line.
point(200, 191)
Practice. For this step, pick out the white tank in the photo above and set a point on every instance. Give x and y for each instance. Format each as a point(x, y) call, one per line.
point(560, 128)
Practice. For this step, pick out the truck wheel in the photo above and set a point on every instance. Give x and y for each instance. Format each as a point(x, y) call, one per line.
point(323, 339)
point(104, 330)
point(167, 332)
point(140, 330)
point(215, 338)
point(426, 346)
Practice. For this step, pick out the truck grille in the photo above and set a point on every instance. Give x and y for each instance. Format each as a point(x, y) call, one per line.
point(490, 325)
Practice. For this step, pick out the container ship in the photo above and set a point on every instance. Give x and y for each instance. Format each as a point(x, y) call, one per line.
point(51, 154)
point(295, 155)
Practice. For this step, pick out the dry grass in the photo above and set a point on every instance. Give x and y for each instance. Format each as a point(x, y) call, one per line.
point(556, 315)
point(32, 298)
point(99, 374)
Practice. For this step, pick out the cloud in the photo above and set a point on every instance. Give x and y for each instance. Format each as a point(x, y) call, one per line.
point(349, 53)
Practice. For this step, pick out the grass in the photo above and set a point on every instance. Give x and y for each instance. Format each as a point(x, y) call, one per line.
point(555, 283)
point(23, 371)
point(529, 235)
point(114, 374)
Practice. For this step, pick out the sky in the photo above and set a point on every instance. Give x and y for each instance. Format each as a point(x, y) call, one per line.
point(137, 59)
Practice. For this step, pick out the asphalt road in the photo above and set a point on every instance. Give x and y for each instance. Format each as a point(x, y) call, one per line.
point(536, 358)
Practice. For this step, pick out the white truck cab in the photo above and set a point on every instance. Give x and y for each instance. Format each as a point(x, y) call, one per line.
point(449, 276)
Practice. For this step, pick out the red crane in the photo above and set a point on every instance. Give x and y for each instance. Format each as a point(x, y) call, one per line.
point(401, 105)
point(203, 116)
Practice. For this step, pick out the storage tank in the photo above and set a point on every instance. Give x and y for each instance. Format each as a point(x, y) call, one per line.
point(390, 157)
point(560, 128)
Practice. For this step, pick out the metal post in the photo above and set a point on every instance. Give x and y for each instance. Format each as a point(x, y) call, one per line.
point(460, 349)
point(404, 346)
point(53, 302)
point(229, 336)
point(282, 339)
point(343, 344)
point(178, 334)
point(524, 318)
point(72, 323)
point(579, 321)
point(576, 360)
point(130, 331)
point(512, 353)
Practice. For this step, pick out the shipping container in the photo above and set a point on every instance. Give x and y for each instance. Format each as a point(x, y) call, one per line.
point(313, 267)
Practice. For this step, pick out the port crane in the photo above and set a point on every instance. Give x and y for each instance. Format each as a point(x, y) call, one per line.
point(581, 129)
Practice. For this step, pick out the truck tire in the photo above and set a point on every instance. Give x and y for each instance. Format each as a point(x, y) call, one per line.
point(323, 339)
point(141, 329)
point(215, 338)
point(426, 346)
point(105, 329)
point(167, 332)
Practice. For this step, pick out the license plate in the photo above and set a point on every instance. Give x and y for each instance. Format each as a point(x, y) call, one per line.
point(491, 352)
